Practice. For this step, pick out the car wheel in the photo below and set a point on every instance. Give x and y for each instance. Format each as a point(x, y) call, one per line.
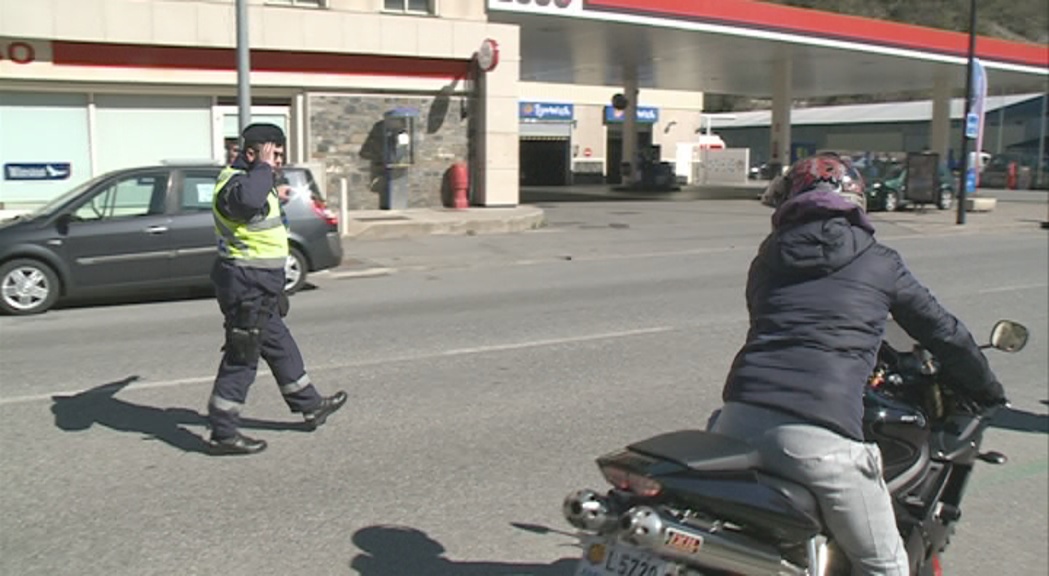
point(27, 287)
point(295, 270)
point(892, 201)
point(946, 198)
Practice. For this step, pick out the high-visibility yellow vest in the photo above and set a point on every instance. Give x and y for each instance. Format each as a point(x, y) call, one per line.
point(259, 243)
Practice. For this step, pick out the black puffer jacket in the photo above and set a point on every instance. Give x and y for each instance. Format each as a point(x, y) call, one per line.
point(819, 294)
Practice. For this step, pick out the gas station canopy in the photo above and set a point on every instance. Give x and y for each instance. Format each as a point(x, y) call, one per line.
point(734, 46)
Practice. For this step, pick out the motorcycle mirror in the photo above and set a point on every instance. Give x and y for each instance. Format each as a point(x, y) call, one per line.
point(1008, 336)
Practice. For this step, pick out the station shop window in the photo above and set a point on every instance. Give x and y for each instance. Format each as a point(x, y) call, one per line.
point(411, 6)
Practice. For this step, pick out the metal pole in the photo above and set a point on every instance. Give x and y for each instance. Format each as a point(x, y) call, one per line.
point(965, 116)
point(1001, 120)
point(1043, 120)
point(243, 66)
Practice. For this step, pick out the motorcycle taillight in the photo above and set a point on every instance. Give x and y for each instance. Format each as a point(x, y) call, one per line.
point(629, 481)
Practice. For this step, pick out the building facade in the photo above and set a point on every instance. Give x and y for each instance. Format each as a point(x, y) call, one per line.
point(89, 86)
point(1012, 123)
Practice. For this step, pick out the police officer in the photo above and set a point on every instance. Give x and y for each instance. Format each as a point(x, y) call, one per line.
point(248, 275)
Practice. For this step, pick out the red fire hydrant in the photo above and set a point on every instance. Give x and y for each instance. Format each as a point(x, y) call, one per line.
point(460, 183)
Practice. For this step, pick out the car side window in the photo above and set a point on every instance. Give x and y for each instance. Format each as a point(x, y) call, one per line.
point(128, 197)
point(198, 188)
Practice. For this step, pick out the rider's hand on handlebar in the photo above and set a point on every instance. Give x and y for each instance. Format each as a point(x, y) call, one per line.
point(991, 397)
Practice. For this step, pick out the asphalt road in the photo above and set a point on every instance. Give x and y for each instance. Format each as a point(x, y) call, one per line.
point(484, 377)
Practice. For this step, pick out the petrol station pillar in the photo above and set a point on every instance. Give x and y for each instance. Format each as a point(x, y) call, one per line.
point(940, 127)
point(782, 98)
point(631, 91)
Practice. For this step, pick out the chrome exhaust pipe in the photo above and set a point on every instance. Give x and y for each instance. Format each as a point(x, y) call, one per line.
point(590, 511)
point(646, 528)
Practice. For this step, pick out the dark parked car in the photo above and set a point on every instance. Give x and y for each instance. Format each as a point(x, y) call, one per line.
point(890, 192)
point(142, 229)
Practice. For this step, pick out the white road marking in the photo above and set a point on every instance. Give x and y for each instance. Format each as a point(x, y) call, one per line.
point(1013, 288)
point(379, 361)
point(365, 273)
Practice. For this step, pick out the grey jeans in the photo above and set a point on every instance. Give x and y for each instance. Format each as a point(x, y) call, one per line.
point(843, 474)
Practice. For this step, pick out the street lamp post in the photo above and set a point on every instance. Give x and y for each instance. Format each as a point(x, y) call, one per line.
point(243, 67)
point(963, 176)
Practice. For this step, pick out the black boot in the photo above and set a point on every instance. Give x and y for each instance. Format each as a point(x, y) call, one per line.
point(317, 415)
point(237, 444)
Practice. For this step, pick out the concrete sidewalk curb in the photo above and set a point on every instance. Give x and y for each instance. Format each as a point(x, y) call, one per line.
point(391, 224)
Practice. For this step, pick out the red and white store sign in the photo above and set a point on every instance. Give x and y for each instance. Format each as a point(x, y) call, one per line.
point(20, 51)
point(553, 7)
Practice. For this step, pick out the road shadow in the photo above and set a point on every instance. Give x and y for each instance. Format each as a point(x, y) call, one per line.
point(541, 196)
point(389, 550)
point(99, 405)
point(156, 296)
point(1021, 421)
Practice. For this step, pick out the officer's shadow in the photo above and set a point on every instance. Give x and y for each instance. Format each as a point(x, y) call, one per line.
point(405, 551)
point(99, 405)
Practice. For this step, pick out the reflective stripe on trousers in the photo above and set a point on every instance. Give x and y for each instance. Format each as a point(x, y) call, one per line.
point(220, 403)
point(293, 387)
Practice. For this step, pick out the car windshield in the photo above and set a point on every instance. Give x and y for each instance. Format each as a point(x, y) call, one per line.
point(894, 171)
point(61, 199)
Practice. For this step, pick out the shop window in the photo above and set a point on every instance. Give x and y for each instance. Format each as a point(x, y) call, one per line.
point(139, 195)
point(411, 6)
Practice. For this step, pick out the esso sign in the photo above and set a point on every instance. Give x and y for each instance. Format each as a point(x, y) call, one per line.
point(17, 52)
point(558, 3)
point(533, 5)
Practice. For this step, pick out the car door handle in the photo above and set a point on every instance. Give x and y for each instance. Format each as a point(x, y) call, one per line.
point(156, 229)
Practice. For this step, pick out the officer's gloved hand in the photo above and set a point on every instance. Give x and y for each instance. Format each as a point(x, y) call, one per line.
point(283, 304)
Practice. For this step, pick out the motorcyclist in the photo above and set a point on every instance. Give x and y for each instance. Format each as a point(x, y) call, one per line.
point(819, 293)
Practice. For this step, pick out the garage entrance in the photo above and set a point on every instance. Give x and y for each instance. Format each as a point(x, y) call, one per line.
point(545, 153)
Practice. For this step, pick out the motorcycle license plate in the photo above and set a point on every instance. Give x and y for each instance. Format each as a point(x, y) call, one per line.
point(608, 557)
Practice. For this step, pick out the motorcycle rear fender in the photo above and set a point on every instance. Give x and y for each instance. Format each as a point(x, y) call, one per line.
point(763, 504)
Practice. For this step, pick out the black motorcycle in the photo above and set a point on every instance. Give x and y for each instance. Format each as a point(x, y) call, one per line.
point(691, 502)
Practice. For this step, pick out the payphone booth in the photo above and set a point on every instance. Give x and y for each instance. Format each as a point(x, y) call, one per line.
point(398, 156)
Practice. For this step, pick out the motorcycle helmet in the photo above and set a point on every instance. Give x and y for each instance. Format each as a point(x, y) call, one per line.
point(825, 171)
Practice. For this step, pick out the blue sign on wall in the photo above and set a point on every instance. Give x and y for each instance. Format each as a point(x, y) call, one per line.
point(645, 115)
point(546, 111)
point(38, 171)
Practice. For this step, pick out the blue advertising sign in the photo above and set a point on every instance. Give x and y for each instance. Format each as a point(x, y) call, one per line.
point(978, 101)
point(972, 126)
point(970, 180)
point(38, 171)
point(645, 115)
point(799, 150)
point(546, 111)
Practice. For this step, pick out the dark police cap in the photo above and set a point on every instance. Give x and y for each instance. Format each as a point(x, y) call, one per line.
point(262, 133)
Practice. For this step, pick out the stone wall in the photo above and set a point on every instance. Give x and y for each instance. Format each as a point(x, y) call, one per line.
point(345, 135)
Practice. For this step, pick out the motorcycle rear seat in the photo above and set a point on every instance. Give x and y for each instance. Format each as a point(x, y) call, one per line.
point(699, 450)
point(783, 508)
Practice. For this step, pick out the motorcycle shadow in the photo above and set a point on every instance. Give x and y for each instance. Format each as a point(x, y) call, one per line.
point(1021, 421)
point(389, 550)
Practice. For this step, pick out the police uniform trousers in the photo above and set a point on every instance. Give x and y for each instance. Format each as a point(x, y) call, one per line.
point(234, 286)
